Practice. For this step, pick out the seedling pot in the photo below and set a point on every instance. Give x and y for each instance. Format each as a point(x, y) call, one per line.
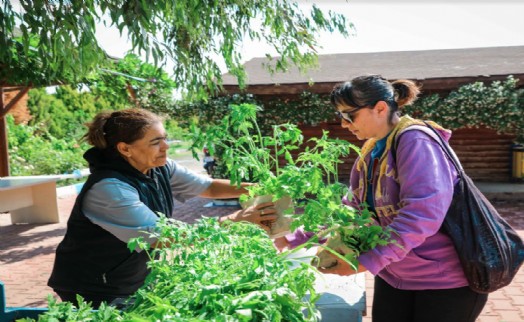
point(280, 227)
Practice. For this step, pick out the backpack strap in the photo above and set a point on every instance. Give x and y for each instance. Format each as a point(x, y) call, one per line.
point(431, 132)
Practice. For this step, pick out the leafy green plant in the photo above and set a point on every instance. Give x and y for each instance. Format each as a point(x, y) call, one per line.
point(211, 272)
point(36, 152)
point(250, 155)
point(309, 175)
point(498, 106)
point(228, 272)
point(66, 311)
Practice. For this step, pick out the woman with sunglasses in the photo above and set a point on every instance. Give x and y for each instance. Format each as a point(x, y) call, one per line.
point(418, 278)
point(409, 189)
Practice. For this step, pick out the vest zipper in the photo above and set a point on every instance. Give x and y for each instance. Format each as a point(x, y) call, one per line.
point(104, 278)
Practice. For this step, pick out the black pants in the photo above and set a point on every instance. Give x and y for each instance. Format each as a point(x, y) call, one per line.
point(450, 305)
point(209, 166)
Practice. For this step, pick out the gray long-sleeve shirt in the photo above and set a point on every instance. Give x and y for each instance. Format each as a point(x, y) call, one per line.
point(116, 206)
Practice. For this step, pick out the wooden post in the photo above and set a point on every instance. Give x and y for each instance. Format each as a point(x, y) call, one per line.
point(4, 152)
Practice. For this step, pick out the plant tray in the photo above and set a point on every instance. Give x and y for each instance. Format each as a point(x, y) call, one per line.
point(8, 314)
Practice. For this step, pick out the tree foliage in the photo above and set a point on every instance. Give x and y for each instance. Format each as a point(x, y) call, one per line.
point(51, 142)
point(498, 105)
point(63, 114)
point(130, 81)
point(57, 38)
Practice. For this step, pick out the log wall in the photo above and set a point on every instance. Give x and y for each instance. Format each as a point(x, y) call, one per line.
point(485, 155)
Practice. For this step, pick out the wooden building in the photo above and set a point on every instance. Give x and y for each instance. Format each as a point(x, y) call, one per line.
point(486, 155)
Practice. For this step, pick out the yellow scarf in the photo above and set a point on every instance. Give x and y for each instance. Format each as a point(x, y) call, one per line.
point(405, 122)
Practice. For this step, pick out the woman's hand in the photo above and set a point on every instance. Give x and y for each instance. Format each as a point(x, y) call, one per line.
point(281, 244)
point(263, 215)
point(342, 268)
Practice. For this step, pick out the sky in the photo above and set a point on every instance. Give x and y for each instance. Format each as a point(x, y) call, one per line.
point(382, 25)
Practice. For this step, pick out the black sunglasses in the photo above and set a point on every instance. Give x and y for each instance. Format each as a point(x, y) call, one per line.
point(347, 116)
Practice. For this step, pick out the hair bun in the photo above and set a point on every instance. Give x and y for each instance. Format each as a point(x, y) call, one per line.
point(406, 92)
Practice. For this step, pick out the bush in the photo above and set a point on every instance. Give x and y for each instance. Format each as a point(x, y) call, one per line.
point(32, 154)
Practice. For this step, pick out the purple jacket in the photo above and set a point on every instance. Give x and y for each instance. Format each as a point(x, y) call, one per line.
point(411, 196)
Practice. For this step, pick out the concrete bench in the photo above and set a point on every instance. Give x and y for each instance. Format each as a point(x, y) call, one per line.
point(29, 200)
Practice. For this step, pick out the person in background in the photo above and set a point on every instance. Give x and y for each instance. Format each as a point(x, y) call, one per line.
point(209, 162)
point(418, 278)
point(132, 180)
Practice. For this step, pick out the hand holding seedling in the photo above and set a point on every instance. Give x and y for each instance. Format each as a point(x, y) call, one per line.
point(284, 166)
point(336, 257)
point(342, 268)
point(262, 214)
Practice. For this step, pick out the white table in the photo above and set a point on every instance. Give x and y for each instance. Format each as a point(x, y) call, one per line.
point(29, 200)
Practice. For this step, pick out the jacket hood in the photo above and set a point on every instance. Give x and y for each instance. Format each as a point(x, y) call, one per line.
point(105, 159)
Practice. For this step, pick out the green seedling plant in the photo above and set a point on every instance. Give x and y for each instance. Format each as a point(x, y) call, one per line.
point(66, 311)
point(245, 152)
point(209, 272)
point(308, 175)
point(228, 272)
point(251, 156)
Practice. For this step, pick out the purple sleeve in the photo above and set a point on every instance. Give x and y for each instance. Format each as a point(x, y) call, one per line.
point(299, 237)
point(426, 182)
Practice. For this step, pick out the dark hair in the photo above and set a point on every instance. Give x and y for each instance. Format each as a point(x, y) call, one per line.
point(366, 91)
point(129, 125)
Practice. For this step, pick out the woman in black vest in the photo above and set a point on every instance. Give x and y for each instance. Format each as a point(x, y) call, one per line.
point(131, 181)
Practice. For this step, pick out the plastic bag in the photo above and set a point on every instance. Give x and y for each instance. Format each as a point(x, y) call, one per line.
point(280, 227)
point(490, 251)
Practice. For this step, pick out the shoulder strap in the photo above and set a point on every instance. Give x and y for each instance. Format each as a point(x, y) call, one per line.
point(429, 130)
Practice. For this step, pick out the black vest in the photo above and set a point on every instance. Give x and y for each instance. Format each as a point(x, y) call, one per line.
point(90, 259)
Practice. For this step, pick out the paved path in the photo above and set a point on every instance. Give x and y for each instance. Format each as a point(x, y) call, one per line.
point(27, 253)
point(505, 305)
